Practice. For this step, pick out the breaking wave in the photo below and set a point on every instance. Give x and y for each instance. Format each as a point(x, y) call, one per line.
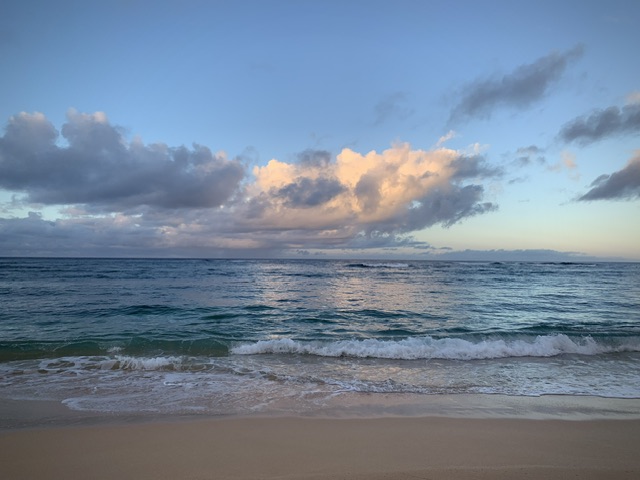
point(443, 348)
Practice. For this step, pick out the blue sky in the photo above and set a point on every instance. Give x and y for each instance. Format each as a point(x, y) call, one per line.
point(404, 129)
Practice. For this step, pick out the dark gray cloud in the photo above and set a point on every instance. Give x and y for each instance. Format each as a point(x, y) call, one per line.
point(447, 206)
point(518, 89)
point(307, 192)
point(100, 168)
point(34, 236)
point(621, 185)
point(384, 240)
point(368, 192)
point(537, 255)
point(314, 158)
point(107, 236)
point(600, 124)
point(525, 156)
point(473, 166)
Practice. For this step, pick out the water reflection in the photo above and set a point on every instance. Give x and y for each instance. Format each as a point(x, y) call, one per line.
point(429, 298)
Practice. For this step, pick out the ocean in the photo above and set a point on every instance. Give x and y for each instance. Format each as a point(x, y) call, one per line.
point(237, 337)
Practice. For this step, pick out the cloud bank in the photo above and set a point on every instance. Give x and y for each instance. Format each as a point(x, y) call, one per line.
point(525, 85)
point(101, 169)
point(118, 194)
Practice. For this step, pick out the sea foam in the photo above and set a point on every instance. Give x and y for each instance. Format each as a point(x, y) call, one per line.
point(439, 348)
point(122, 362)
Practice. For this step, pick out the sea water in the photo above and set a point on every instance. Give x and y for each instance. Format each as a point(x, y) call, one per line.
point(220, 337)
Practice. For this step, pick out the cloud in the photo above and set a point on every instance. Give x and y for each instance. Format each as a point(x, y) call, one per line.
point(445, 138)
point(396, 191)
point(567, 162)
point(621, 185)
point(473, 166)
point(601, 124)
point(314, 158)
point(123, 197)
point(101, 169)
point(111, 235)
point(308, 192)
point(525, 85)
point(531, 255)
point(525, 156)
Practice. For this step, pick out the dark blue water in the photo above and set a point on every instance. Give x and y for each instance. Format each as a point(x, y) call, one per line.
point(227, 336)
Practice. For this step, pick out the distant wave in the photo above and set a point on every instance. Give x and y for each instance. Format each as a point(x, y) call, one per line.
point(137, 347)
point(442, 348)
point(378, 265)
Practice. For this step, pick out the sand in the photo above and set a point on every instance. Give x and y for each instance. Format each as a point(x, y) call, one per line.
point(322, 448)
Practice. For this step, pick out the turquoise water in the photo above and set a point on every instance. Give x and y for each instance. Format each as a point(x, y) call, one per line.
point(225, 336)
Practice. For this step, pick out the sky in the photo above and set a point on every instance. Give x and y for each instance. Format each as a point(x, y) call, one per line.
point(469, 130)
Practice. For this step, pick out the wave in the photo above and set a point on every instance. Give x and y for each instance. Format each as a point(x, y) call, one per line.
point(121, 362)
point(136, 346)
point(442, 348)
point(84, 364)
point(378, 265)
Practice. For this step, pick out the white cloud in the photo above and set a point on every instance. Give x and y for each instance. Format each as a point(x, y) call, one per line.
point(445, 138)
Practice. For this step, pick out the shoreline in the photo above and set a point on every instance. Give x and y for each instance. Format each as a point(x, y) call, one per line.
point(391, 448)
point(36, 414)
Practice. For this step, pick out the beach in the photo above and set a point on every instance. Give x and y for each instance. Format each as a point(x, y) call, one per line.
point(192, 369)
point(324, 448)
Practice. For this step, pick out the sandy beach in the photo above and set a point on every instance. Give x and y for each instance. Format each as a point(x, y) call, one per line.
point(320, 448)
